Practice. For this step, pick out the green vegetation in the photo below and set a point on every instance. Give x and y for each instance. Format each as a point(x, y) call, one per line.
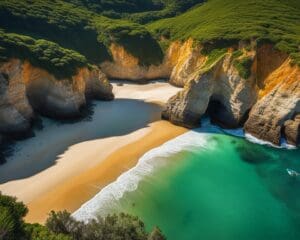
point(140, 11)
point(171, 8)
point(213, 58)
point(63, 35)
point(134, 37)
point(65, 31)
point(11, 218)
point(227, 22)
point(67, 34)
point(243, 65)
point(42, 53)
point(39, 232)
point(236, 54)
point(62, 226)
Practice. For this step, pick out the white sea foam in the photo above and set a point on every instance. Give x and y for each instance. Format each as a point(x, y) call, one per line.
point(107, 198)
point(253, 139)
point(239, 132)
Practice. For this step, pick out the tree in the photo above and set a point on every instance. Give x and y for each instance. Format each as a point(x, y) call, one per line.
point(64, 223)
point(11, 218)
point(39, 232)
point(7, 224)
point(116, 226)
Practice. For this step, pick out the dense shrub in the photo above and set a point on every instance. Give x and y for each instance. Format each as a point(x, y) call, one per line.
point(39, 232)
point(134, 37)
point(119, 6)
point(112, 227)
point(243, 66)
point(62, 226)
point(42, 53)
point(218, 22)
point(75, 30)
point(141, 11)
point(11, 218)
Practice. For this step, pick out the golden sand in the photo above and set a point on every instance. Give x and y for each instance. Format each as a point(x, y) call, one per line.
point(71, 194)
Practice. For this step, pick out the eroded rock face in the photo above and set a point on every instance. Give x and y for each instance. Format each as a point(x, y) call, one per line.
point(64, 98)
point(15, 110)
point(180, 59)
point(222, 85)
point(189, 58)
point(126, 66)
point(24, 88)
point(96, 83)
point(272, 93)
point(292, 131)
point(279, 102)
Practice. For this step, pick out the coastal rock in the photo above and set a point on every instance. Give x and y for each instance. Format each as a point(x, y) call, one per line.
point(292, 131)
point(15, 110)
point(189, 58)
point(125, 66)
point(96, 83)
point(271, 92)
point(218, 90)
point(279, 101)
point(64, 98)
point(52, 97)
point(179, 60)
point(24, 88)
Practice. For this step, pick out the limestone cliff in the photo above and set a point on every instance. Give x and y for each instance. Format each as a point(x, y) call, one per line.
point(177, 57)
point(271, 93)
point(15, 110)
point(217, 89)
point(277, 107)
point(25, 89)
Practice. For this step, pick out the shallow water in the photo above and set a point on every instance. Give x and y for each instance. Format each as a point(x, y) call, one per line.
point(217, 187)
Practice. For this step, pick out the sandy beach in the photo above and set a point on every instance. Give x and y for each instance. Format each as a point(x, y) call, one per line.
point(64, 166)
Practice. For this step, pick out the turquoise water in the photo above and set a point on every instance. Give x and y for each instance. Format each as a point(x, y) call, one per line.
point(227, 188)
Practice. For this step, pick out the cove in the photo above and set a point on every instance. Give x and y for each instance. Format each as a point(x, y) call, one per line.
point(217, 187)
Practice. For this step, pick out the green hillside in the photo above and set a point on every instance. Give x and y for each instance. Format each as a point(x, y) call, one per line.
point(141, 11)
point(63, 35)
point(225, 22)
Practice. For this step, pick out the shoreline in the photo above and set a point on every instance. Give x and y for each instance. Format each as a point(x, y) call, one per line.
point(72, 194)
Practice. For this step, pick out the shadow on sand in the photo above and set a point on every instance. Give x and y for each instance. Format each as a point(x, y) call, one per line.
point(106, 119)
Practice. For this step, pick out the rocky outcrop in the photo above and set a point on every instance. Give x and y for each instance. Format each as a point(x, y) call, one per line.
point(180, 58)
point(279, 102)
point(126, 66)
point(25, 89)
point(267, 102)
point(15, 110)
point(189, 58)
point(217, 89)
point(64, 98)
point(292, 131)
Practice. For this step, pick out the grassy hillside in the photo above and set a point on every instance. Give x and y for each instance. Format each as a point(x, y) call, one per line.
point(224, 22)
point(63, 35)
point(141, 11)
point(79, 35)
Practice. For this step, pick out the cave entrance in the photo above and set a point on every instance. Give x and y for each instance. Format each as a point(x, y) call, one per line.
point(220, 115)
